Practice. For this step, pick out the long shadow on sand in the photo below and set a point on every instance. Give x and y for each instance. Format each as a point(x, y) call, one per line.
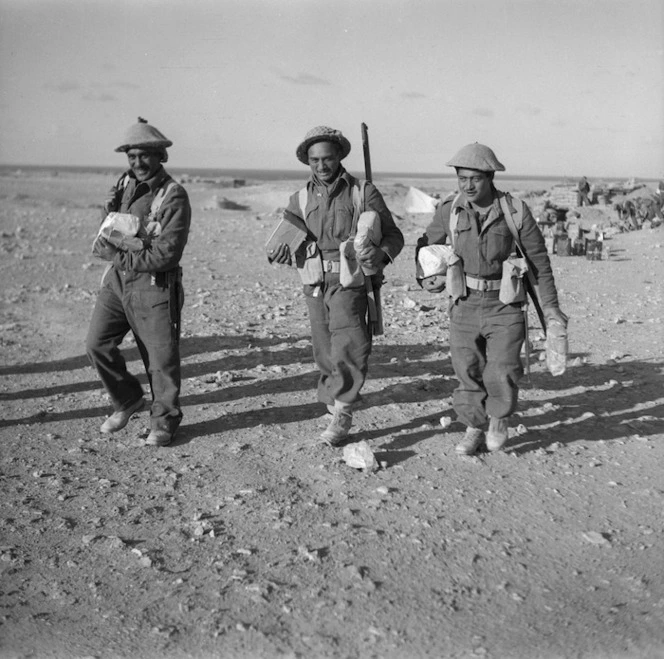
point(592, 405)
point(188, 346)
point(381, 366)
point(600, 402)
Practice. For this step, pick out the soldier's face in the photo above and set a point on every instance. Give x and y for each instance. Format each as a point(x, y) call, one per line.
point(143, 163)
point(324, 160)
point(475, 185)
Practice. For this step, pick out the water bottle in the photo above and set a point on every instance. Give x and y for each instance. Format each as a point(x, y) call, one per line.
point(556, 347)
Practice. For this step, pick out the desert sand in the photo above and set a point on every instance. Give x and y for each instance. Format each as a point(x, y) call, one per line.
point(247, 538)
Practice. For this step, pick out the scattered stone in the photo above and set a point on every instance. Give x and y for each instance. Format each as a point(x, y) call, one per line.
point(596, 538)
point(360, 456)
point(312, 555)
point(445, 422)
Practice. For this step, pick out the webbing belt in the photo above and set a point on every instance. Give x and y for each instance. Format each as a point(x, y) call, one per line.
point(331, 266)
point(482, 284)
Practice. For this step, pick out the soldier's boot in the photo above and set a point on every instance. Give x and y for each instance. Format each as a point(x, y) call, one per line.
point(339, 428)
point(498, 434)
point(471, 442)
point(118, 420)
point(159, 437)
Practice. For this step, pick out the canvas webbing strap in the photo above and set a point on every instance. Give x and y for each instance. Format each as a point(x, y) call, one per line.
point(160, 196)
point(358, 204)
point(514, 226)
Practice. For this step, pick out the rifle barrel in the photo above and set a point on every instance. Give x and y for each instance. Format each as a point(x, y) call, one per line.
point(367, 153)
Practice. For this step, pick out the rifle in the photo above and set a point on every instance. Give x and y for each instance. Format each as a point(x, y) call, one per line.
point(367, 155)
point(374, 306)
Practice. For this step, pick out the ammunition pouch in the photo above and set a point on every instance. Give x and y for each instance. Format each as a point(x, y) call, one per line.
point(350, 270)
point(309, 264)
point(512, 289)
point(456, 279)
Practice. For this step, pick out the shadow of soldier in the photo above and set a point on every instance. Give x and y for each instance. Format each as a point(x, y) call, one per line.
point(252, 418)
point(189, 347)
point(425, 387)
point(593, 403)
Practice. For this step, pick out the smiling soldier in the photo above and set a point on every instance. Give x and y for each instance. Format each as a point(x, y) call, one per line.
point(330, 206)
point(487, 327)
point(141, 289)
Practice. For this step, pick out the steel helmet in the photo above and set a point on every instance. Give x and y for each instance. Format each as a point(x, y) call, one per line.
point(322, 134)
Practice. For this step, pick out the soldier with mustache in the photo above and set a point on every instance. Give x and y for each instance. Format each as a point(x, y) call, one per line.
point(141, 288)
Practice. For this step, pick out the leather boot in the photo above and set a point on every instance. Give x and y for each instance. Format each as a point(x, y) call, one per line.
point(339, 428)
point(118, 420)
point(497, 435)
point(471, 442)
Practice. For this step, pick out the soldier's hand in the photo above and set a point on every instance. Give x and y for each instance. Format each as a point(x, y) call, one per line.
point(281, 255)
point(372, 258)
point(434, 284)
point(104, 250)
point(555, 315)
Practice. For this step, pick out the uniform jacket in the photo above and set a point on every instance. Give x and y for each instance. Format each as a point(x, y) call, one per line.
point(484, 245)
point(162, 252)
point(329, 215)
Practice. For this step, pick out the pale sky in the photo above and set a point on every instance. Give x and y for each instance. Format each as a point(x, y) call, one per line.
point(555, 87)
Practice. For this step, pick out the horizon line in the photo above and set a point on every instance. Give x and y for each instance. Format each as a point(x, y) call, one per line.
point(305, 173)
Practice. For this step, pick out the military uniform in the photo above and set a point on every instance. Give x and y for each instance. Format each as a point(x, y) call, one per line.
point(341, 337)
point(582, 192)
point(141, 292)
point(486, 335)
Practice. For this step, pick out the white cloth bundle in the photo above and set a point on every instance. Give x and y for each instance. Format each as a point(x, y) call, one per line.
point(119, 225)
point(368, 233)
point(434, 259)
point(120, 230)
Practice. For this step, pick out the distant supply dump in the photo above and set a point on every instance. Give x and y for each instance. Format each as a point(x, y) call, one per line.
point(571, 229)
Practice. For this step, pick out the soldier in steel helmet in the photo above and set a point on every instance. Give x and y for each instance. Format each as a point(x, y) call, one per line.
point(341, 337)
point(487, 333)
point(141, 289)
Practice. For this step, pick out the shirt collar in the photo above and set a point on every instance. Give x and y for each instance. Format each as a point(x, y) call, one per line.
point(494, 210)
point(342, 176)
point(155, 182)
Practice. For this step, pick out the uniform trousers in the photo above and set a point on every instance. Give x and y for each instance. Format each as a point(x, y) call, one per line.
point(340, 337)
point(486, 337)
point(143, 309)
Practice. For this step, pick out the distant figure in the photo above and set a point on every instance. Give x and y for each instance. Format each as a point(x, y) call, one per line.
point(331, 206)
point(649, 211)
point(486, 311)
point(629, 215)
point(141, 289)
point(582, 192)
point(659, 196)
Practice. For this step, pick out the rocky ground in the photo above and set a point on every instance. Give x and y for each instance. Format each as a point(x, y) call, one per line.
point(247, 538)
